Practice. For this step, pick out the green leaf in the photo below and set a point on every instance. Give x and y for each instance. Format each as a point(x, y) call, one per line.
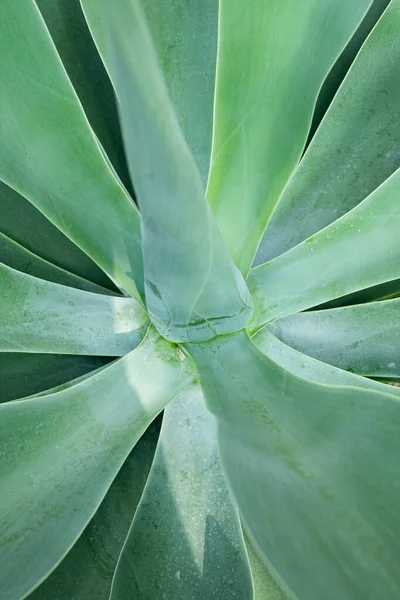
point(272, 60)
point(186, 539)
point(26, 374)
point(344, 62)
point(24, 224)
point(40, 316)
point(193, 289)
point(60, 453)
point(364, 339)
point(314, 469)
point(355, 149)
point(50, 155)
point(265, 582)
point(87, 570)
point(383, 291)
point(17, 257)
point(74, 43)
point(185, 37)
point(308, 368)
point(357, 251)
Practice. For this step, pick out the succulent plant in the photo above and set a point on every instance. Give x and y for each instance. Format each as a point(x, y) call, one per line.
point(200, 300)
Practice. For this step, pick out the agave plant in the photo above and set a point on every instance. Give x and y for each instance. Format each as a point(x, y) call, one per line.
point(248, 298)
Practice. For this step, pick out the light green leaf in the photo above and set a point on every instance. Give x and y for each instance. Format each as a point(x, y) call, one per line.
point(40, 316)
point(185, 38)
point(383, 291)
point(272, 59)
point(87, 570)
point(25, 374)
point(186, 539)
point(265, 582)
point(24, 224)
point(344, 62)
point(308, 368)
point(17, 257)
point(193, 289)
point(357, 251)
point(50, 155)
point(355, 149)
point(74, 43)
point(364, 339)
point(314, 469)
point(60, 453)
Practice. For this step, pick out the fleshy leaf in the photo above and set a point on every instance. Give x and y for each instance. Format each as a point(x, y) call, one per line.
point(193, 289)
point(314, 469)
point(186, 539)
point(355, 149)
point(364, 339)
point(357, 251)
point(272, 59)
point(60, 453)
point(50, 155)
point(40, 316)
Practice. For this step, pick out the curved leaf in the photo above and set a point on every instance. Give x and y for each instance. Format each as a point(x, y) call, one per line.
point(314, 469)
point(50, 155)
point(364, 339)
point(357, 251)
point(74, 43)
point(308, 368)
point(40, 316)
point(26, 374)
point(19, 258)
point(87, 570)
point(193, 289)
point(266, 586)
point(272, 60)
point(355, 149)
point(60, 453)
point(24, 224)
point(185, 36)
point(186, 539)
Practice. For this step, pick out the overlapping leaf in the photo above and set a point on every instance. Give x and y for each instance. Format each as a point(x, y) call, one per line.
point(193, 290)
point(39, 316)
point(64, 450)
point(265, 94)
point(314, 469)
point(186, 539)
point(355, 149)
point(50, 155)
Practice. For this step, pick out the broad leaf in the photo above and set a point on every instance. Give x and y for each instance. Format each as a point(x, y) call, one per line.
point(357, 251)
point(355, 149)
point(24, 224)
point(265, 582)
point(272, 59)
point(364, 339)
point(383, 291)
point(60, 453)
point(314, 469)
point(87, 570)
point(40, 316)
point(50, 155)
point(193, 290)
point(186, 539)
point(185, 36)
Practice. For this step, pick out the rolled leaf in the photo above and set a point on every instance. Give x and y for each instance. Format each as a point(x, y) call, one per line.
point(193, 289)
